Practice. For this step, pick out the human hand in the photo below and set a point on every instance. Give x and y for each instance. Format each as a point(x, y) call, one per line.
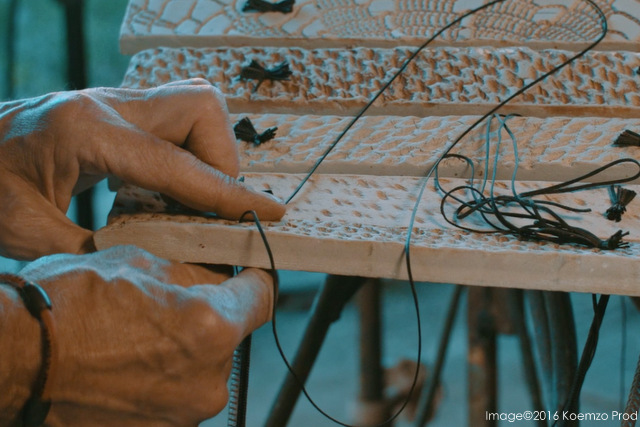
point(175, 139)
point(135, 349)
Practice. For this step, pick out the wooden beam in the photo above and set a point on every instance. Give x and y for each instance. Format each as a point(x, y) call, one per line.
point(357, 225)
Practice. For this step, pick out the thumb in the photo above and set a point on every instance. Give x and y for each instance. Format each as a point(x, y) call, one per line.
point(246, 300)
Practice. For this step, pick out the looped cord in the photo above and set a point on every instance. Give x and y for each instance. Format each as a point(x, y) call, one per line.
point(445, 154)
point(545, 224)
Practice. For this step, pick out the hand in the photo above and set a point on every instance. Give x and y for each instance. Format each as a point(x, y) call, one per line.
point(175, 139)
point(135, 348)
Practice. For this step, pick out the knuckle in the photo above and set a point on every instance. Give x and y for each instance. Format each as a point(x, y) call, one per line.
point(199, 81)
point(211, 332)
point(206, 322)
point(212, 97)
point(66, 105)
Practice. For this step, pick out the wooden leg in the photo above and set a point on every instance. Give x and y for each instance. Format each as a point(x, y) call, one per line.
point(516, 306)
point(335, 293)
point(372, 407)
point(481, 358)
point(428, 396)
point(556, 349)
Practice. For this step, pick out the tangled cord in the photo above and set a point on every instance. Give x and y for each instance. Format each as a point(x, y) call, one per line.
point(549, 227)
point(545, 224)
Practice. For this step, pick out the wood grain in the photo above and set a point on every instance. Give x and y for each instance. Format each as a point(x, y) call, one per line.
point(355, 225)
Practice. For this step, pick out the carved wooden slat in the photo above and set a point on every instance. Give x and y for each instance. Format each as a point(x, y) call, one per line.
point(357, 225)
point(549, 149)
point(440, 81)
point(566, 24)
point(352, 217)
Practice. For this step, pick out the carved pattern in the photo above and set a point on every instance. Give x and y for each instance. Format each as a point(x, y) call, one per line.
point(552, 149)
point(371, 214)
point(323, 23)
point(440, 81)
point(359, 207)
point(356, 224)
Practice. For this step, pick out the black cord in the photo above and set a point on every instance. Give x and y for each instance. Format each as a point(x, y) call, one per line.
point(386, 85)
point(491, 112)
point(421, 192)
point(588, 353)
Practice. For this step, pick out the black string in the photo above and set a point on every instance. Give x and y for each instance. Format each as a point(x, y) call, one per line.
point(490, 113)
point(543, 228)
point(546, 224)
point(422, 187)
point(411, 281)
point(588, 353)
point(384, 87)
point(284, 6)
point(276, 338)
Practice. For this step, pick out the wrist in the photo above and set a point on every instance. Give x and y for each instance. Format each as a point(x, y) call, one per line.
point(21, 349)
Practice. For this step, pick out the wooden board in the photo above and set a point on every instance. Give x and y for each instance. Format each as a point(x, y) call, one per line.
point(440, 81)
point(352, 217)
point(565, 24)
point(549, 149)
point(357, 225)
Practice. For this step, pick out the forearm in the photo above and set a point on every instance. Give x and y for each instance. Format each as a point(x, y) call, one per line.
point(20, 358)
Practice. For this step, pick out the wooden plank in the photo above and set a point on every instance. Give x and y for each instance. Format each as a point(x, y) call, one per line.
point(440, 81)
point(357, 225)
point(549, 149)
point(565, 24)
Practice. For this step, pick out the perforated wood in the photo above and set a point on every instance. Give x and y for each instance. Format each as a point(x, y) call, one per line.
point(551, 149)
point(322, 23)
point(352, 217)
point(349, 224)
point(440, 81)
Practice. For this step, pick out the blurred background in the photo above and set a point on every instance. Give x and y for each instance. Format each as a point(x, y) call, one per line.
point(40, 66)
point(40, 45)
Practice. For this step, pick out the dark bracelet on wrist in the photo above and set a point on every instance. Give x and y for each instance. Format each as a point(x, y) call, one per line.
point(37, 302)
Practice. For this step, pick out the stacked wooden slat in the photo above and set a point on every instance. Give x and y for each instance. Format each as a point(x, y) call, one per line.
point(352, 216)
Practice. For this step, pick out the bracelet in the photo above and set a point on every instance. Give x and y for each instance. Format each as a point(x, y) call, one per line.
point(37, 302)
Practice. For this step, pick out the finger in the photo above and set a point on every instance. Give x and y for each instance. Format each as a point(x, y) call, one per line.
point(193, 274)
point(149, 162)
point(30, 227)
point(246, 300)
point(196, 81)
point(192, 114)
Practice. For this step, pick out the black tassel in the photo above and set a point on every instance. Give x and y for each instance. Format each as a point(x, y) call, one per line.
point(284, 6)
point(628, 138)
point(615, 241)
point(256, 71)
point(245, 131)
point(620, 197)
point(562, 233)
